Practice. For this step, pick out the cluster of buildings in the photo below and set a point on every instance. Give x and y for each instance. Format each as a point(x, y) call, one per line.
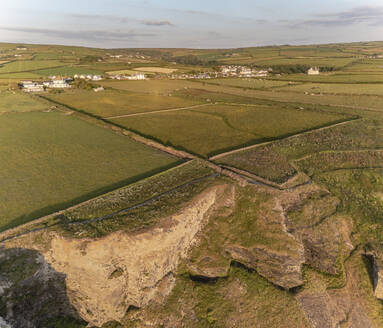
point(242, 71)
point(33, 86)
point(138, 76)
point(88, 77)
point(225, 71)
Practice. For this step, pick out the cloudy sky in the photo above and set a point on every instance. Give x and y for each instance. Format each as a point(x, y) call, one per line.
point(190, 23)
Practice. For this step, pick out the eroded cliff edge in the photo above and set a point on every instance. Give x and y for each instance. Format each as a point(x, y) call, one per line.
point(226, 257)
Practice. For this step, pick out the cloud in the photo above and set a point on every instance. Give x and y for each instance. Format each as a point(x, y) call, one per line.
point(156, 23)
point(123, 19)
point(370, 15)
point(93, 35)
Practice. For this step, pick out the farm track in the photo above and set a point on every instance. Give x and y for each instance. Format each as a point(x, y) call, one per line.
point(158, 111)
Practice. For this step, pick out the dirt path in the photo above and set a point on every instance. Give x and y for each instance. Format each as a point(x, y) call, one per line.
point(158, 111)
point(290, 137)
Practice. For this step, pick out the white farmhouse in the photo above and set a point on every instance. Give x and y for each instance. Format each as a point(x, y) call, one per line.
point(30, 86)
point(313, 71)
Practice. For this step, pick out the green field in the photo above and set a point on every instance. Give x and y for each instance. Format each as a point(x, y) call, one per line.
point(19, 102)
point(213, 129)
point(149, 86)
point(28, 65)
point(336, 88)
point(51, 160)
point(114, 103)
point(273, 161)
point(67, 70)
point(253, 83)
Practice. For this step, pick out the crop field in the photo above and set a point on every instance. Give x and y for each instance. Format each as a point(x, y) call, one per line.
point(19, 102)
point(51, 161)
point(336, 88)
point(28, 65)
point(114, 103)
point(273, 161)
point(163, 70)
point(122, 72)
point(212, 129)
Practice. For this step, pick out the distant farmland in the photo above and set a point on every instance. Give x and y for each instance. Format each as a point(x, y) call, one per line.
point(51, 160)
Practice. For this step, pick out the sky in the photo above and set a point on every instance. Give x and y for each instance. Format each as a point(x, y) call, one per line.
point(190, 23)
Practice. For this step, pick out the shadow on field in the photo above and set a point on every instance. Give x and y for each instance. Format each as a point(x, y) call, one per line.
point(64, 205)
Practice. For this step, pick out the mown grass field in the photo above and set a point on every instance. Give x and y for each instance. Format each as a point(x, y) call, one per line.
point(111, 103)
point(18, 102)
point(51, 160)
point(211, 129)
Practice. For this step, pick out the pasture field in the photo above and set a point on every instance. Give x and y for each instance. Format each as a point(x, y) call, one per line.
point(11, 77)
point(251, 83)
point(211, 129)
point(111, 103)
point(18, 102)
point(339, 77)
point(273, 161)
point(28, 65)
point(51, 161)
point(162, 70)
point(149, 86)
point(341, 101)
point(336, 88)
point(322, 62)
point(67, 71)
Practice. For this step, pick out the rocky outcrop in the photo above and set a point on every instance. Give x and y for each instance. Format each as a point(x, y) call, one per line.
point(376, 258)
point(280, 269)
point(105, 277)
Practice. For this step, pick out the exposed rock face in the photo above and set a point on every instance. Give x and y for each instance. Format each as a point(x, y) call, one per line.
point(335, 308)
point(280, 269)
point(106, 276)
point(377, 269)
point(32, 292)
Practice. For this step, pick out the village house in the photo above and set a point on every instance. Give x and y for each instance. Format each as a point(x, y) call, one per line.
point(313, 71)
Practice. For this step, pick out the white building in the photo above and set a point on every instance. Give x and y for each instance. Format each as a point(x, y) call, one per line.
point(30, 86)
point(59, 84)
point(139, 76)
point(313, 71)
